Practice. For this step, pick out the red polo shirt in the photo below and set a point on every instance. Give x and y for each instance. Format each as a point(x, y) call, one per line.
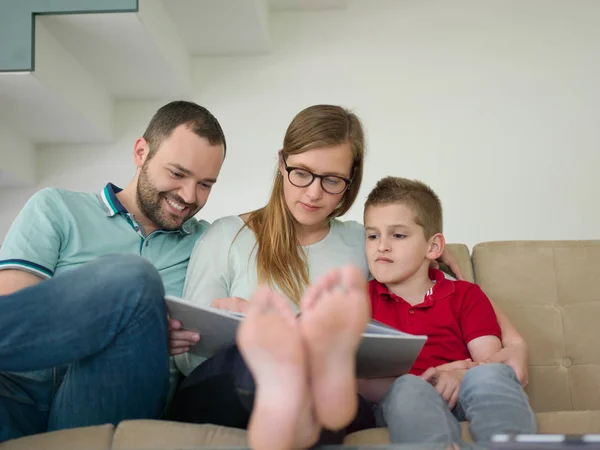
point(452, 314)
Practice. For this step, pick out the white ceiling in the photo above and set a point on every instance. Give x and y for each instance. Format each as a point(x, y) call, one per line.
point(84, 62)
point(221, 27)
point(306, 4)
point(34, 111)
point(119, 51)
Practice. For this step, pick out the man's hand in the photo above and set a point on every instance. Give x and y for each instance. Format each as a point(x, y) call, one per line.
point(515, 356)
point(180, 340)
point(447, 383)
point(234, 304)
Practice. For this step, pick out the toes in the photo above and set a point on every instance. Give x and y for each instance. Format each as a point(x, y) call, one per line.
point(282, 307)
point(260, 301)
point(352, 278)
point(310, 297)
point(314, 292)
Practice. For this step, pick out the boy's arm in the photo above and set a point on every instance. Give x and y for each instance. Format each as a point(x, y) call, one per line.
point(479, 325)
point(484, 347)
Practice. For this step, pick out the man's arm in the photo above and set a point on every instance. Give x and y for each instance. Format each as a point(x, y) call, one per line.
point(31, 248)
point(14, 280)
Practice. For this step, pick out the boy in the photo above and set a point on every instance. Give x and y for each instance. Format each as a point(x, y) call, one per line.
point(403, 221)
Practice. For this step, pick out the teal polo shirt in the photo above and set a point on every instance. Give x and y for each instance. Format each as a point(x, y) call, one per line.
point(58, 230)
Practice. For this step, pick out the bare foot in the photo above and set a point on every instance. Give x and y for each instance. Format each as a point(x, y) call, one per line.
point(335, 313)
point(269, 340)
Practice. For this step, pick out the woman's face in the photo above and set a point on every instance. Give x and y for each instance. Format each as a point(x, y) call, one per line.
point(311, 205)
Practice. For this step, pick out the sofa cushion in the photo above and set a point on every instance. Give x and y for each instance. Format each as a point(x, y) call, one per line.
point(89, 438)
point(380, 436)
point(548, 290)
point(165, 435)
point(557, 422)
point(569, 422)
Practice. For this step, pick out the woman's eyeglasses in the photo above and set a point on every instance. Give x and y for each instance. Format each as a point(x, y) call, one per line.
point(331, 184)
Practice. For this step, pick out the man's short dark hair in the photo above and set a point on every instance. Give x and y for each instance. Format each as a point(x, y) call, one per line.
point(198, 119)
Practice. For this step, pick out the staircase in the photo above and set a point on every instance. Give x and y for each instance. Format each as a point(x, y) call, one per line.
point(65, 63)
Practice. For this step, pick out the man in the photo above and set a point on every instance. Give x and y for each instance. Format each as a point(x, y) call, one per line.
point(83, 335)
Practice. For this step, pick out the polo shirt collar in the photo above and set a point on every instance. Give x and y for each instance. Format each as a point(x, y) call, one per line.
point(442, 288)
point(112, 205)
point(108, 199)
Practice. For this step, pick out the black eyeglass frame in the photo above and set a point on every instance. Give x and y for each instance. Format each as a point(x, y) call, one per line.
point(290, 169)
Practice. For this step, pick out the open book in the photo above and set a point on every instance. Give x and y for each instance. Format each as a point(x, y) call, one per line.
point(383, 352)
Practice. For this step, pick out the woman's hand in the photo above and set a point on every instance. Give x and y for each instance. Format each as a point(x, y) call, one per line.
point(233, 304)
point(515, 355)
point(449, 260)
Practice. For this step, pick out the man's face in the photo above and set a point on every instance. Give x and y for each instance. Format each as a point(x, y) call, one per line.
point(175, 183)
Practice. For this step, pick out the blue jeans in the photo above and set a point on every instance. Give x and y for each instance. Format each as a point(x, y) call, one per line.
point(86, 347)
point(490, 398)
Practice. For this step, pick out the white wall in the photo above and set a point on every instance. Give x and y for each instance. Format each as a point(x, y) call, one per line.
point(495, 104)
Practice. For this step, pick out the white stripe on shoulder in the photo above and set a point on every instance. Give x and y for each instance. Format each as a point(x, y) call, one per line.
point(25, 268)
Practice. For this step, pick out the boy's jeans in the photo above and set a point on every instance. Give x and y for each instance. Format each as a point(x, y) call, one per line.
point(490, 398)
point(86, 347)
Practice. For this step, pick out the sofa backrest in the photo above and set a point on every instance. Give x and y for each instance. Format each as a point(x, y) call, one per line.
point(548, 290)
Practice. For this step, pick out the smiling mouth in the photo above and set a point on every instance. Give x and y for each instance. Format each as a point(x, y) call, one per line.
point(175, 205)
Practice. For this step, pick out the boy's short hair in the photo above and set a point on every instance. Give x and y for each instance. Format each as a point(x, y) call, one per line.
point(416, 195)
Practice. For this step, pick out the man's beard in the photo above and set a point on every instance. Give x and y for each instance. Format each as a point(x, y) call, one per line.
point(149, 200)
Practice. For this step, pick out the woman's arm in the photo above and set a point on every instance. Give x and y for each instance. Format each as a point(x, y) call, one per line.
point(206, 280)
point(514, 352)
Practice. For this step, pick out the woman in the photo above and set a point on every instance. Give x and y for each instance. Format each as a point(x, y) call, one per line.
point(288, 244)
point(291, 242)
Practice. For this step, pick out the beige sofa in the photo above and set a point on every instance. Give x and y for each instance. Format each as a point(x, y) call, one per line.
point(546, 288)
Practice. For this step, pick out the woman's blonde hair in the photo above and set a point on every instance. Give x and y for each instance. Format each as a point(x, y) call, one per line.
point(279, 260)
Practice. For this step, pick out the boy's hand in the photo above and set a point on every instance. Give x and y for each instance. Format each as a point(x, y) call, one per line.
point(461, 364)
point(447, 383)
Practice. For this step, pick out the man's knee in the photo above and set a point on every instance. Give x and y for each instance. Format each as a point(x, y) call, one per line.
point(130, 272)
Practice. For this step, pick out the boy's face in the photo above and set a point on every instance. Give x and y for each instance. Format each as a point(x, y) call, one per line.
point(396, 245)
